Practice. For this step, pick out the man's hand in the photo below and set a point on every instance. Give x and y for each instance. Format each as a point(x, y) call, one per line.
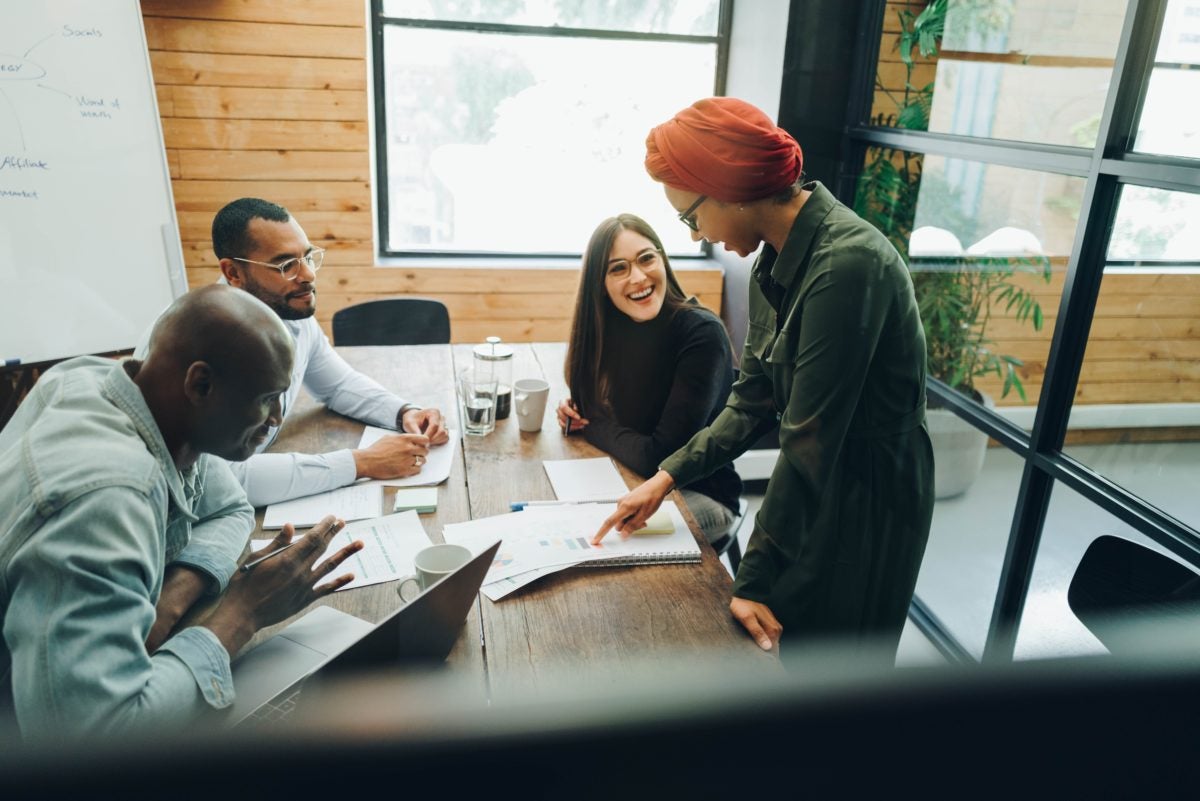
point(281, 586)
point(182, 587)
point(758, 620)
point(425, 421)
point(394, 456)
point(635, 508)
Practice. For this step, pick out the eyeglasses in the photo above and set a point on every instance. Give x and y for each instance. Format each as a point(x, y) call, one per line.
point(290, 269)
point(646, 260)
point(688, 217)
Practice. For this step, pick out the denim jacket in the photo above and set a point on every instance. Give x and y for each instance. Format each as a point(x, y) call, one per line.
point(94, 510)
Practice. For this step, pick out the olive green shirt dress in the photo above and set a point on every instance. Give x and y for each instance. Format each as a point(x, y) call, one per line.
point(835, 351)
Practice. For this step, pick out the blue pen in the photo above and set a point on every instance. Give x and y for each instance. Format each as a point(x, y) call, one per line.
point(517, 506)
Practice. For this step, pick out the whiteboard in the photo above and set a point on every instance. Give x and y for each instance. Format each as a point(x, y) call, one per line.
point(89, 244)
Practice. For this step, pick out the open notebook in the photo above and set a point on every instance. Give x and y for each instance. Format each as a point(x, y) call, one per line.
point(544, 539)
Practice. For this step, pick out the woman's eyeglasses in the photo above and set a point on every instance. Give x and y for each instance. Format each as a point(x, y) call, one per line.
point(645, 261)
point(688, 217)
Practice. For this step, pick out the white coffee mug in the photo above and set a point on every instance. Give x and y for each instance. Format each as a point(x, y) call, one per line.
point(433, 563)
point(529, 399)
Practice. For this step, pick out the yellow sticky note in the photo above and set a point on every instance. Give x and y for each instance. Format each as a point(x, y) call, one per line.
point(659, 523)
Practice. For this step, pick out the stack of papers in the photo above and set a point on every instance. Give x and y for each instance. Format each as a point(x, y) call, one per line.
point(389, 546)
point(543, 539)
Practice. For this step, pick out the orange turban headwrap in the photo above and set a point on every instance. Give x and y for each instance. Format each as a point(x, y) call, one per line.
point(724, 148)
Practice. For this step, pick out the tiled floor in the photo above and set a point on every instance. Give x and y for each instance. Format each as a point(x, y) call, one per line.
point(966, 545)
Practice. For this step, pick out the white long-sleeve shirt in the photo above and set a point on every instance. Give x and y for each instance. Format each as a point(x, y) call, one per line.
point(273, 477)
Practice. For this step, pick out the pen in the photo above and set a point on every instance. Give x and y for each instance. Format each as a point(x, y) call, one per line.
point(246, 567)
point(567, 429)
point(517, 506)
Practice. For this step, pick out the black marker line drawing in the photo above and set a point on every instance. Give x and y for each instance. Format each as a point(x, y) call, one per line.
point(36, 46)
point(22, 69)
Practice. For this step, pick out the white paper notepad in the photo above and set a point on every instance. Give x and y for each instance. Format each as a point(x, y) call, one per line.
point(355, 502)
point(436, 468)
point(584, 480)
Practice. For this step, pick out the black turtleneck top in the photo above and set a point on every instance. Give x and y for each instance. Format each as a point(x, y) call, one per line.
point(668, 378)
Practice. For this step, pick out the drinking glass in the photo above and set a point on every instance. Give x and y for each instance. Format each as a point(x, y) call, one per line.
point(477, 401)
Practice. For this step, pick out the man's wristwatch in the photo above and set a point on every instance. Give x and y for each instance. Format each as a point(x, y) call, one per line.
point(405, 409)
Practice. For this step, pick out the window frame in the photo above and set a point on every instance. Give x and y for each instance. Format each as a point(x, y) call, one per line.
point(447, 257)
point(1106, 167)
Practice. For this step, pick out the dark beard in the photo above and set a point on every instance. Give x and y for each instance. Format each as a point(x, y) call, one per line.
point(279, 305)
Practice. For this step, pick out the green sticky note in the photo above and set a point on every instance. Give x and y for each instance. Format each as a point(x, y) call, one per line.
point(659, 523)
point(422, 499)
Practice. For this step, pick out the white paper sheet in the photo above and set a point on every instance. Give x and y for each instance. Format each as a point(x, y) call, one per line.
point(498, 589)
point(355, 502)
point(582, 480)
point(435, 470)
point(389, 546)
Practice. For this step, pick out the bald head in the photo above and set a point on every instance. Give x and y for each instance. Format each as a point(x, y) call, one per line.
point(221, 326)
point(218, 361)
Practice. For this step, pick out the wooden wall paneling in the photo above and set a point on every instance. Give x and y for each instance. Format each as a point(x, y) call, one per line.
point(299, 197)
point(320, 226)
point(235, 165)
point(309, 12)
point(173, 68)
point(165, 96)
point(215, 134)
point(218, 102)
point(254, 38)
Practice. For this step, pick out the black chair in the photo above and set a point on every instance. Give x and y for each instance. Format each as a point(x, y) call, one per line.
point(393, 321)
point(1119, 583)
point(728, 544)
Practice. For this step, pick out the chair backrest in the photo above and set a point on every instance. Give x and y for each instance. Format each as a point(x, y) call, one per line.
point(393, 321)
point(1119, 583)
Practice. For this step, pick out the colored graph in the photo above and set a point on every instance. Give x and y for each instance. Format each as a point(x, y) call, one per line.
point(570, 543)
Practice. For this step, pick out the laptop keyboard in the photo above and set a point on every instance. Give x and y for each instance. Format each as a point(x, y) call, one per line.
point(277, 709)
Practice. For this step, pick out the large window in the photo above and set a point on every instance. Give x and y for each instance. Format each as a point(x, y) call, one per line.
point(515, 126)
point(1037, 163)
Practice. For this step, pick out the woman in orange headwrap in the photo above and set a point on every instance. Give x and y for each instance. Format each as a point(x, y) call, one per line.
point(835, 352)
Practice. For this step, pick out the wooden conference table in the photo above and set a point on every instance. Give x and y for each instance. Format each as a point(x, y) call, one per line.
point(573, 618)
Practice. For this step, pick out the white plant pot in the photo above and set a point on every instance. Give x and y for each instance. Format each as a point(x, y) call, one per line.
point(958, 451)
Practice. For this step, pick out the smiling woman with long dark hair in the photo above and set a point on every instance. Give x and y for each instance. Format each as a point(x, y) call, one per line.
point(647, 366)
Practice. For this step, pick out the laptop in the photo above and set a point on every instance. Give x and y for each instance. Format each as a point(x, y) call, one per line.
point(268, 678)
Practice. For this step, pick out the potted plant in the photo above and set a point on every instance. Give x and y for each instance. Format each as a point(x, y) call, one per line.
point(958, 294)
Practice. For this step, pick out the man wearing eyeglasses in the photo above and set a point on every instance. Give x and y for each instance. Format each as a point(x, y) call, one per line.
point(264, 251)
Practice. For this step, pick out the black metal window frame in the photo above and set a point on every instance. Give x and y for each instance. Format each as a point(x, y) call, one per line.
point(381, 21)
point(1107, 166)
